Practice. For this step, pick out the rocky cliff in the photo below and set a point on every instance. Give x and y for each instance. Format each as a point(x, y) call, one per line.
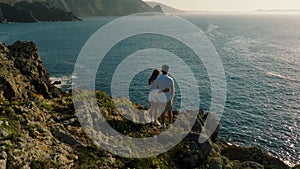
point(39, 127)
point(98, 7)
point(43, 11)
point(22, 73)
point(33, 12)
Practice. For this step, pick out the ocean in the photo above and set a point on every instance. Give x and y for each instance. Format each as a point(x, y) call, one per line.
point(261, 58)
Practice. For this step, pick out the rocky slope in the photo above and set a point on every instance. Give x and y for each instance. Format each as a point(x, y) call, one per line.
point(39, 127)
point(22, 73)
point(33, 12)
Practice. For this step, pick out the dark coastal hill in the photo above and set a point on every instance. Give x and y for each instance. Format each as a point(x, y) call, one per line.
point(10, 13)
point(98, 7)
point(165, 8)
point(39, 127)
point(33, 12)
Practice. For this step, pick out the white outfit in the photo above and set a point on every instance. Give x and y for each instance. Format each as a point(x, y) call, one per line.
point(153, 95)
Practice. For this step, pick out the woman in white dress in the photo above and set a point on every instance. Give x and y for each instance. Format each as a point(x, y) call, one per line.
point(153, 97)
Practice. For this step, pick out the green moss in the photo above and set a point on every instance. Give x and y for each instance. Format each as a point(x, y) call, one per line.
point(46, 106)
point(17, 103)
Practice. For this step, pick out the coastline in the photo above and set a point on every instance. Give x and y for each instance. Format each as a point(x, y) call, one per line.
point(45, 115)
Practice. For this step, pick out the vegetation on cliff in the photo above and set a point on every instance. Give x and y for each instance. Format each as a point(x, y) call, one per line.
point(39, 127)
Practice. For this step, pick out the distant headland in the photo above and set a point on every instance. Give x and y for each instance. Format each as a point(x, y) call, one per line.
point(60, 10)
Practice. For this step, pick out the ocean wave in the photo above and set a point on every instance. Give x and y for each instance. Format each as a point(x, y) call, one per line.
point(276, 74)
point(65, 82)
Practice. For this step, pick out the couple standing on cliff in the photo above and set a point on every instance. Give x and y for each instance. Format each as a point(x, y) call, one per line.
point(162, 92)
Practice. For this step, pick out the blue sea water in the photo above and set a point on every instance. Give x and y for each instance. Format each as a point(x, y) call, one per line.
point(260, 55)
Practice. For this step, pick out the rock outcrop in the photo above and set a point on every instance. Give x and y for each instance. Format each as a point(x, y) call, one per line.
point(39, 127)
point(23, 74)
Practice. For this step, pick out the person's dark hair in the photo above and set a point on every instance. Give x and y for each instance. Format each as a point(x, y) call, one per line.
point(154, 75)
point(164, 73)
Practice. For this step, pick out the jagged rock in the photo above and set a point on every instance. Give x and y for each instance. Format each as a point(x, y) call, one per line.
point(191, 152)
point(199, 122)
point(23, 75)
point(215, 163)
point(65, 137)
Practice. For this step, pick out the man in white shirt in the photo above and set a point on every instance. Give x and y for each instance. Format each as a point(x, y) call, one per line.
point(165, 84)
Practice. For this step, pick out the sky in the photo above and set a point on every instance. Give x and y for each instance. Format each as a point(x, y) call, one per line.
point(231, 5)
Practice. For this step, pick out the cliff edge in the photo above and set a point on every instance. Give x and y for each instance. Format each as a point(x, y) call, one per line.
point(23, 74)
point(39, 127)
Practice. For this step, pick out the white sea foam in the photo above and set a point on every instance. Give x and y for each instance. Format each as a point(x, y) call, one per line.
point(66, 81)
